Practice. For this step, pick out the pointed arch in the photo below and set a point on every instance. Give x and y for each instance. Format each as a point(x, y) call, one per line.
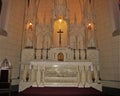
point(64, 38)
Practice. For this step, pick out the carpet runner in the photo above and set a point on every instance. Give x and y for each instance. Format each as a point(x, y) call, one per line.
point(60, 91)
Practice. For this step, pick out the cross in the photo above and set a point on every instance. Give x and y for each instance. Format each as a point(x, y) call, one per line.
point(60, 31)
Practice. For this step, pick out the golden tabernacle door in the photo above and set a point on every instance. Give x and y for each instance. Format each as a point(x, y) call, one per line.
point(60, 57)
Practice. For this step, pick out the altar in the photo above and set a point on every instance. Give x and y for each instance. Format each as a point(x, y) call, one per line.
point(58, 74)
point(59, 53)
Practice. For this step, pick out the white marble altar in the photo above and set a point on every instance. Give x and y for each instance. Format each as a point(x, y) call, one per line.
point(75, 46)
point(60, 74)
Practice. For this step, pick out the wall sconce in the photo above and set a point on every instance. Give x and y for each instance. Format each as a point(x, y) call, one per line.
point(29, 26)
point(89, 27)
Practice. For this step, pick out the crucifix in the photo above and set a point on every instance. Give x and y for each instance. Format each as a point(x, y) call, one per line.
point(60, 31)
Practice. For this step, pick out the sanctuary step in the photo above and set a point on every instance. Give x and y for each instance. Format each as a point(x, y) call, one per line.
point(60, 91)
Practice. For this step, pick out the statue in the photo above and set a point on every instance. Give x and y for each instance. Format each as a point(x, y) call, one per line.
point(90, 36)
point(29, 40)
point(30, 19)
point(29, 35)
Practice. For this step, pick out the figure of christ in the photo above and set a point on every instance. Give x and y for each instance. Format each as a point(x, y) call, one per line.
point(60, 31)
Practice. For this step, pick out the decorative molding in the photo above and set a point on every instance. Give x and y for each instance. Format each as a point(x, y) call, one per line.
point(5, 64)
point(110, 80)
point(91, 47)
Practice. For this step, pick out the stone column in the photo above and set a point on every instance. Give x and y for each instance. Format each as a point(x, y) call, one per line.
point(96, 74)
point(83, 76)
point(80, 76)
point(88, 75)
point(32, 79)
point(25, 73)
point(38, 76)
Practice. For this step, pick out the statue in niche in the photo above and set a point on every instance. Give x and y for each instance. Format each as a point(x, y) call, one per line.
point(90, 25)
point(30, 17)
point(29, 41)
point(90, 36)
point(29, 35)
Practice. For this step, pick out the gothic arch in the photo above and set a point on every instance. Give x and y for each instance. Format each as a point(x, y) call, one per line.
point(64, 36)
point(5, 71)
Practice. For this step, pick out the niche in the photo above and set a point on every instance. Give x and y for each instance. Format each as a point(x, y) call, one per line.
point(5, 74)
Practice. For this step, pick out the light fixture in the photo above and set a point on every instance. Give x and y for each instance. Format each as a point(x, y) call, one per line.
point(60, 19)
point(89, 26)
point(29, 26)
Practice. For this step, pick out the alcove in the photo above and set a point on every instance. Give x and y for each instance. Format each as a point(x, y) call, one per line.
point(5, 76)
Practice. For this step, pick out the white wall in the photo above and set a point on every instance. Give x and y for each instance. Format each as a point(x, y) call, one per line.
point(108, 44)
point(10, 46)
